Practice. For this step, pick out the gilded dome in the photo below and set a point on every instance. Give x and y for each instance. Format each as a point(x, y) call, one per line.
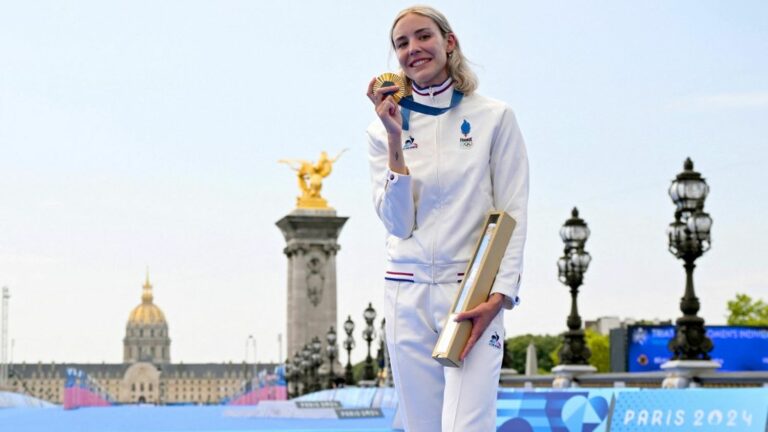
point(147, 312)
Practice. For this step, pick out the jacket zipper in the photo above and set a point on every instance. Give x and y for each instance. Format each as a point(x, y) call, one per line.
point(439, 193)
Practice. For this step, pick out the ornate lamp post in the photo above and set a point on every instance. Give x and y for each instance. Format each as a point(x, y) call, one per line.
point(349, 345)
point(306, 368)
point(369, 314)
point(571, 268)
point(689, 239)
point(296, 374)
point(317, 360)
point(332, 351)
point(288, 376)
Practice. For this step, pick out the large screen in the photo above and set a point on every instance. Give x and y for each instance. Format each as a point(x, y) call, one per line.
point(736, 348)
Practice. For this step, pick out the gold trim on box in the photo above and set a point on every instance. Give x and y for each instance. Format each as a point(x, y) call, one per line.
point(475, 287)
point(388, 79)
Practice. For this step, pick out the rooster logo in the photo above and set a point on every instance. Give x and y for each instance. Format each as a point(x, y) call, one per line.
point(495, 342)
point(410, 143)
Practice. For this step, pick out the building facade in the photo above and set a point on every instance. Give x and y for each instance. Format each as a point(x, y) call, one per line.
point(146, 374)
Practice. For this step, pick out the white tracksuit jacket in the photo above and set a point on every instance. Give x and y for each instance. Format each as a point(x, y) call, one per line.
point(461, 164)
point(434, 216)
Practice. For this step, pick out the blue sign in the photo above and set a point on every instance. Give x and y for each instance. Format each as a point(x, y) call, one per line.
point(701, 410)
point(548, 410)
point(737, 348)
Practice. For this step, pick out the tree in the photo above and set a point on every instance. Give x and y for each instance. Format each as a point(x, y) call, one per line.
point(598, 344)
point(517, 348)
point(745, 311)
point(357, 369)
point(601, 353)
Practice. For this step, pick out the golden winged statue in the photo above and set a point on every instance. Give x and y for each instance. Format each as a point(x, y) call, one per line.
point(310, 176)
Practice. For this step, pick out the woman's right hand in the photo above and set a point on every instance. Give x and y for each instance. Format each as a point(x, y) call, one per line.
point(386, 107)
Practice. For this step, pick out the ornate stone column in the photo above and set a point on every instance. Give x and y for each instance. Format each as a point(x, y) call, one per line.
point(311, 244)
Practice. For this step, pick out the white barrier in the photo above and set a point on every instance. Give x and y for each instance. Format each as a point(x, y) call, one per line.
point(17, 400)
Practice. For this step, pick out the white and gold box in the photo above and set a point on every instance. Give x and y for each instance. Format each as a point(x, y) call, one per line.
point(475, 287)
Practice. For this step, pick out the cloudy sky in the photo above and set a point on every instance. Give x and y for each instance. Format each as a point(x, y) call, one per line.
point(139, 134)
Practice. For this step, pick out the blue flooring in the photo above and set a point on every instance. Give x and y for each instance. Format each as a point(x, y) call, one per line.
point(132, 418)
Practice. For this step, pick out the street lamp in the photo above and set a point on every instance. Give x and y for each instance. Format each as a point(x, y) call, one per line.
point(296, 375)
point(349, 345)
point(306, 367)
point(571, 268)
point(369, 314)
point(288, 371)
point(316, 360)
point(689, 239)
point(332, 351)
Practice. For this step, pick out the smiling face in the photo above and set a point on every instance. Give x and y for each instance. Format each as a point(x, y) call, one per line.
point(422, 50)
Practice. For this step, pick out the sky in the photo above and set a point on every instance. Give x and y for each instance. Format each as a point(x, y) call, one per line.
point(138, 134)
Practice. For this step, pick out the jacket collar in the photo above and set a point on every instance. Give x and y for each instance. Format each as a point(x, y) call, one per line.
point(438, 96)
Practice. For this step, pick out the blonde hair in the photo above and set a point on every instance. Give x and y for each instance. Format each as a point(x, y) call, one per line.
point(464, 80)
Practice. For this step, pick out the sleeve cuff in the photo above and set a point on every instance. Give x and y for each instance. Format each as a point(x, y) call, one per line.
point(510, 303)
point(393, 177)
point(511, 299)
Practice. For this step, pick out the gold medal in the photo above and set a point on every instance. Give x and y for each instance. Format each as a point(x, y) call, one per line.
point(389, 79)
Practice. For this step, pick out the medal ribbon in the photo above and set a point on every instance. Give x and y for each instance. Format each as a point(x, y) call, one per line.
point(407, 104)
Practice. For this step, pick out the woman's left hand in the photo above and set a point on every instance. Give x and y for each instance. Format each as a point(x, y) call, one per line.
point(481, 317)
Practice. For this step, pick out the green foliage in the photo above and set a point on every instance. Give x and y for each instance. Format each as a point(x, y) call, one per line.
point(597, 343)
point(554, 353)
point(357, 369)
point(745, 311)
point(518, 346)
point(601, 353)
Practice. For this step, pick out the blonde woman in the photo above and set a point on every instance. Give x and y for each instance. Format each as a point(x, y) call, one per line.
point(440, 160)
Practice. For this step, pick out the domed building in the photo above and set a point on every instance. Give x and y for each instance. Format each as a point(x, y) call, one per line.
point(146, 374)
point(146, 334)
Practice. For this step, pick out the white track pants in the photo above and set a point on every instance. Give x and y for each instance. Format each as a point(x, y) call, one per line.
point(433, 398)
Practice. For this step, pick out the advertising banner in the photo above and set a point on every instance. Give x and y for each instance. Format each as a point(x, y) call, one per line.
point(548, 410)
point(737, 348)
point(704, 410)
